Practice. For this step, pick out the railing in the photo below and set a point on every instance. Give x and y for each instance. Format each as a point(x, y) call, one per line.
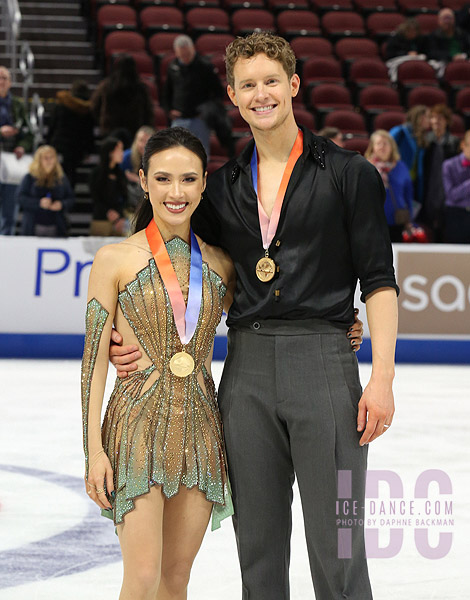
point(11, 20)
point(26, 64)
point(36, 119)
point(13, 25)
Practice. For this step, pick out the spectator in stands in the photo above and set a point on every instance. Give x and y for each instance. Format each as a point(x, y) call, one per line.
point(122, 100)
point(15, 136)
point(383, 153)
point(441, 120)
point(441, 144)
point(45, 196)
point(71, 127)
point(456, 177)
point(132, 162)
point(448, 42)
point(192, 96)
point(333, 134)
point(406, 41)
point(412, 141)
point(108, 187)
point(462, 17)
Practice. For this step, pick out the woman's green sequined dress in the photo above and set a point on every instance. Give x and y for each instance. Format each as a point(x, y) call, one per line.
point(168, 434)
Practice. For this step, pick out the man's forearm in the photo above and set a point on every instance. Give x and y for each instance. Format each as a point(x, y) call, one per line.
point(382, 315)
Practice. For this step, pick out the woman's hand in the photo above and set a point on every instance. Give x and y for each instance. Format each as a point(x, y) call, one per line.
point(99, 474)
point(356, 332)
point(45, 203)
point(56, 206)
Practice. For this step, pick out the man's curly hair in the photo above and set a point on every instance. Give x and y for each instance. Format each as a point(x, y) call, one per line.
point(275, 48)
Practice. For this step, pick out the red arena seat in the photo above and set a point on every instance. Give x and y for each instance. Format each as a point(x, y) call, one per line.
point(161, 18)
point(246, 21)
point(357, 144)
point(162, 43)
point(414, 7)
point(115, 16)
point(382, 25)
point(292, 23)
point(347, 121)
point(368, 71)
point(416, 72)
point(122, 41)
point(232, 5)
point(324, 69)
point(429, 96)
point(207, 20)
point(462, 102)
point(305, 118)
point(349, 49)
point(280, 5)
point(213, 43)
point(338, 24)
point(322, 6)
point(372, 6)
point(307, 47)
point(388, 120)
point(329, 96)
point(427, 23)
point(378, 98)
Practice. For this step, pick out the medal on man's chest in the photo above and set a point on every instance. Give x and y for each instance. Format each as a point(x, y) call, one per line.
point(266, 268)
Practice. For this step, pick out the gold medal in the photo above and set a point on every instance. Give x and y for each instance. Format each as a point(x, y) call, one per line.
point(181, 364)
point(265, 268)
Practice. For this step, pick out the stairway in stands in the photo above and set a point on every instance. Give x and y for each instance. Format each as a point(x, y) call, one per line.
point(58, 36)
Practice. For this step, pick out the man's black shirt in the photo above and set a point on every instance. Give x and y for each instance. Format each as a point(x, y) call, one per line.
point(332, 231)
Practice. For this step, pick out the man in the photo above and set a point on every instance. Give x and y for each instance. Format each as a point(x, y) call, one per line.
point(192, 96)
point(15, 136)
point(289, 395)
point(333, 134)
point(448, 42)
point(456, 179)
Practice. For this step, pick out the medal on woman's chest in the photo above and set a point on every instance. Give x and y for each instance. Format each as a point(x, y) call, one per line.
point(186, 317)
point(266, 268)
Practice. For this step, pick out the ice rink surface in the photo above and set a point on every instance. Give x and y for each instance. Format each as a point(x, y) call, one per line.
point(55, 546)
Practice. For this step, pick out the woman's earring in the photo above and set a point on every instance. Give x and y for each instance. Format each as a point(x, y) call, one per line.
point(146, 196)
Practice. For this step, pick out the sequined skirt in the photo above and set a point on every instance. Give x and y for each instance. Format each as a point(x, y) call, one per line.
point(168, 435)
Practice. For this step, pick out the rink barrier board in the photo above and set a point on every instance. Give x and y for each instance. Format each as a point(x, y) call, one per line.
point(62, 346)
point(42, 311)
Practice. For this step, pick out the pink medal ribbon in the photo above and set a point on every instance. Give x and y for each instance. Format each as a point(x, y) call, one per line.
point(266, 268)
point(186, 317)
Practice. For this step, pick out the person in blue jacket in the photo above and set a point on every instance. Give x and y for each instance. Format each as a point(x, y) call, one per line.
point(383, 153)
point(412, 141)
point(45, 196)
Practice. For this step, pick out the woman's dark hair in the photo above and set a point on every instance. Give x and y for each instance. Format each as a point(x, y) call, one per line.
point(160, 141)
point(124, 76)
point(106, 147)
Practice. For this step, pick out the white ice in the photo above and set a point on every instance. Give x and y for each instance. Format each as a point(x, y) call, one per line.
point(40, 429)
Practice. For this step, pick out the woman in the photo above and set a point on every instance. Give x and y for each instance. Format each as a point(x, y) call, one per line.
point(412, 141)
point(122, 100)
point(45, 195)
point(132, 162)
point(108, 188)
point(383, 153)
point(157, 466)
